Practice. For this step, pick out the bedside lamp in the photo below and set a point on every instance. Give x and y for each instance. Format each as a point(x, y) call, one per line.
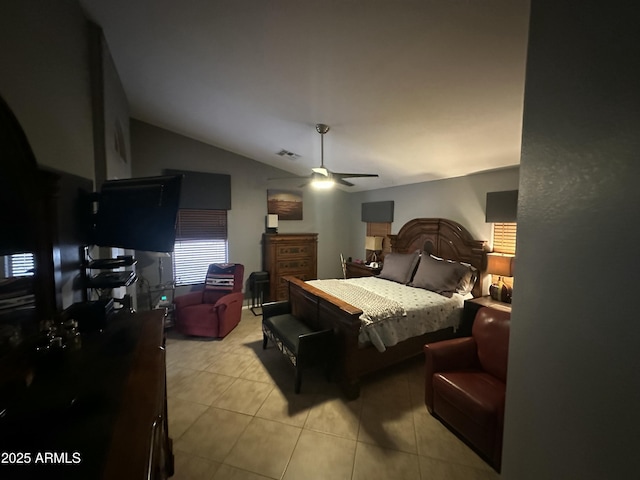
point(502, 266)
point(374, 244)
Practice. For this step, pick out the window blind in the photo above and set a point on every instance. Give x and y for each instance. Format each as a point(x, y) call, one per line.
point(504, 238)
point(21, 265)
point(201, 239)
point(201, 224)
point(378, 229)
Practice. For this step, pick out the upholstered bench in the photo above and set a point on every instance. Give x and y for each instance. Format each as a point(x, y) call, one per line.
point(300, 344)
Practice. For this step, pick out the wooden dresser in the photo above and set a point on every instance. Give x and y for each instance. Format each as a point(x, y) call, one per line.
point(289, 254)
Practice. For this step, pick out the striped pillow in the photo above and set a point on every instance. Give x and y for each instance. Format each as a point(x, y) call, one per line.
point(220, 278)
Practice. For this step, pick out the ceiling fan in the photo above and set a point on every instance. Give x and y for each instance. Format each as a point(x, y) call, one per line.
point(322, 177)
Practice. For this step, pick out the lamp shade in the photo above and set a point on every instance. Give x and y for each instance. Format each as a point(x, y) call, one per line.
point(499, 264)
point(373, 243)
point(272, 220)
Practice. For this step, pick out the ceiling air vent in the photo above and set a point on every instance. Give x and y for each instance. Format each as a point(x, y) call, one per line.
point(288, 154)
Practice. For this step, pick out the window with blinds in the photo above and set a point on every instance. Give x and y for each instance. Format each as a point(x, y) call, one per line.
point(378, 229)
point(20, 265)
point(201, 239)
point(504, 238)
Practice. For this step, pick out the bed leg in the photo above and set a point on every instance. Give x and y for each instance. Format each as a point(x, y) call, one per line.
point(298, 380)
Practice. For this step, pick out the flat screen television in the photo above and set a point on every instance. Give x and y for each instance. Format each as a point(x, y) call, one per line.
point(138, 213)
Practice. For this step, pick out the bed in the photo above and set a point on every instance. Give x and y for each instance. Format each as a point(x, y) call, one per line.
point(435, 238)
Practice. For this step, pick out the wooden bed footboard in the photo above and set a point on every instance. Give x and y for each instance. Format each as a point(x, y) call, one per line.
point(350, 361)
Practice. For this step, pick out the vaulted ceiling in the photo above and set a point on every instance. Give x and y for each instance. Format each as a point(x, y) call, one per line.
point(413, 90)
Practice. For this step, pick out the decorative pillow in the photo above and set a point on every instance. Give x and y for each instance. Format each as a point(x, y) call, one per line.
point(399, 267)
point(440, 276)
point(220, 278)
point(468, 280)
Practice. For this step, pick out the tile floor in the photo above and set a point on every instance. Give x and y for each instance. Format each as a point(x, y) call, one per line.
point(233, 415)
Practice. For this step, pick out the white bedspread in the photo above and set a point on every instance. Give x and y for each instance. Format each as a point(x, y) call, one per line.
point(392, 312)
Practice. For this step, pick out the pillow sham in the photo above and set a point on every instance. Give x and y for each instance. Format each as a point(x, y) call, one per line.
point(399, 267)
point(440, 276)
point(468, 280)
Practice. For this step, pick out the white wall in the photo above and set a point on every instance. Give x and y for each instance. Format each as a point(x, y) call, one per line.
point(573, 387)
point(325, 213)
point(460, 199)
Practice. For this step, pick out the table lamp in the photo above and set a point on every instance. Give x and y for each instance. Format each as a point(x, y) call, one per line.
point(501, 265)
point(374, 244)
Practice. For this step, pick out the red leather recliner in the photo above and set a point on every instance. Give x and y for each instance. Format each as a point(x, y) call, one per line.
point(466, 382)
point(215, 310)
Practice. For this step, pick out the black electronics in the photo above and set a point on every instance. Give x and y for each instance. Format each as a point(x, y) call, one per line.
point(138, 213)
point(91, 316)
point(206, 191)
point(111, 280)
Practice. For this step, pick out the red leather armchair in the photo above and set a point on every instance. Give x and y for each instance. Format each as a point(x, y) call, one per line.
point(215, 310)
point(466, 382)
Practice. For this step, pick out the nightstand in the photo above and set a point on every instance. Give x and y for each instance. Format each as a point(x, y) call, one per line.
point(472, 306)
point(361, 270)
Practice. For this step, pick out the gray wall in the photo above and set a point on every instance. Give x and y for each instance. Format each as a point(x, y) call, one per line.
point(45, 80)
point(326, 213)
point(112, 144)
point(460, 199)
point(573, 387)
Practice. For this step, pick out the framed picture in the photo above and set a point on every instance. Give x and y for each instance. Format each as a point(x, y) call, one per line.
point(287, 204)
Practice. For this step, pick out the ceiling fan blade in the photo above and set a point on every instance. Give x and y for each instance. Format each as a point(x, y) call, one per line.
point(342, 182)
point(354, 175)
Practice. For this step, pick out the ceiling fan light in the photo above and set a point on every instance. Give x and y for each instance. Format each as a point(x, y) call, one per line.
point(322, 184)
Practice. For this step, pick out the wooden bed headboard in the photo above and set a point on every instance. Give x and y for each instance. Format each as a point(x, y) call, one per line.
point(443, 238)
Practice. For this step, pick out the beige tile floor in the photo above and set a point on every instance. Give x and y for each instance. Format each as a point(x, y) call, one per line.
point(233, 415)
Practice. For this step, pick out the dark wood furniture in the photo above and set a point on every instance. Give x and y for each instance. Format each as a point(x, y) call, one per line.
point(444, 238)
point(140, 445)
point(288, 254)
point(300, 344)
point(101, 402)
point(471, 308)
point(355, 270)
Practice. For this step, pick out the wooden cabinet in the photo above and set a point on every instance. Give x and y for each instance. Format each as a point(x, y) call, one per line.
point(289, 254)
point(140, 446)
point(100, 401)
point(355, 270)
